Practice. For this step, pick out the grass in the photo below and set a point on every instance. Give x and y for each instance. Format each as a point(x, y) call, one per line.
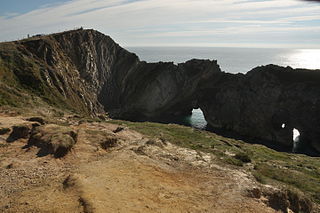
point(23, 77)
point(296, 171)
point(4, 145)
point(243, 157)
point(4, 130)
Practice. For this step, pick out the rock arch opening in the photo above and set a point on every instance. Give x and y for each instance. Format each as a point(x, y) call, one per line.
point(197, 119)
point(296, 139)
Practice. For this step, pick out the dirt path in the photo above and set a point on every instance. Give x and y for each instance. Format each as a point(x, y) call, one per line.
point(125, 182)
point(135, 175)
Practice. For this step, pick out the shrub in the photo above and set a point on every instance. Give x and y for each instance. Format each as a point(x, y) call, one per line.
point(244, 157)
point(4, 131)
point(109, 143)
point(53, 139)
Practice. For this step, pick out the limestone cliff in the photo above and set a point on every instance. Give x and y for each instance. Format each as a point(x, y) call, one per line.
point(266, 104)
point(87, 71)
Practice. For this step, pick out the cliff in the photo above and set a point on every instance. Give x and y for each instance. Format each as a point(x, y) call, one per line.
point(104, 163)
point(267, 103)
point(86, 71)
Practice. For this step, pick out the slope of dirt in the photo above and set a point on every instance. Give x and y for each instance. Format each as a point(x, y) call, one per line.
point(115, 169)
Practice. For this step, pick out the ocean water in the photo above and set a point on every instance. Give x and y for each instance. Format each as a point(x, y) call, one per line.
point(233, 60)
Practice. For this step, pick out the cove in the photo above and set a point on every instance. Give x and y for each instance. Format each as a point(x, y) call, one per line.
point(195, 119)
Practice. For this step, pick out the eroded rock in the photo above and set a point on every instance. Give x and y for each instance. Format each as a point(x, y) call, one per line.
point(20, 131)
point(287, 199)
point(53, 139)
point(90, 73)
point(40, 120)
point(267, 103)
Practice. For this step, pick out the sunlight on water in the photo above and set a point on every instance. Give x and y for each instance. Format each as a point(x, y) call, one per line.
point(305, 58)
point(234, 60)
point(296, 134)
point(296, 139)
point(197, 119)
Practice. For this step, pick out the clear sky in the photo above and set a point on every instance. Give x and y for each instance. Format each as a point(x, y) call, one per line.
point(241, 23)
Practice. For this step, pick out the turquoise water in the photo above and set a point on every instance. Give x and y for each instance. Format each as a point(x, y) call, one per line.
point(234, 60)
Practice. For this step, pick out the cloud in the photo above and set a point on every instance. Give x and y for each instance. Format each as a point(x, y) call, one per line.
point(175, 22)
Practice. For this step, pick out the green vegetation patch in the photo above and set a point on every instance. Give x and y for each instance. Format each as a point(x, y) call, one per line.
point(296, 171)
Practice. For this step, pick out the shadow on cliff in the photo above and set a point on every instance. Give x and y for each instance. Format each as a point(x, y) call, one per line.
point(302, 149)
point(265, 105)
point(85, 71)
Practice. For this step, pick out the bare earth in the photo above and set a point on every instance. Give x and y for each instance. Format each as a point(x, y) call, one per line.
point(138, 174)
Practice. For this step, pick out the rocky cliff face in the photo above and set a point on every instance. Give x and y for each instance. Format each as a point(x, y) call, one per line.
point(161, 89)
point(267, 103)
point(87, 71)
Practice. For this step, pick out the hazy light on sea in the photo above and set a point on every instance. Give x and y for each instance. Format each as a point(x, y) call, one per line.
point(305, 58)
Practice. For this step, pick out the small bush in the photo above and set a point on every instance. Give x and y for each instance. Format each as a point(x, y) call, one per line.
point(260, 178)
point(4, 131)
point(40, 120)
point(244, 157)
point(233, 161)
point(109, 143)
point(53, 139)
point(3, 145)
point(20, 131)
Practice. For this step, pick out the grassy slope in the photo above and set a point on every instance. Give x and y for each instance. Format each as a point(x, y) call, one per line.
point(20, 81)
point(293, 171)
point(23, 87)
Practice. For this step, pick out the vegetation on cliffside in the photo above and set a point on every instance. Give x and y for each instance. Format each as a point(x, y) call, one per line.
point(293, 171)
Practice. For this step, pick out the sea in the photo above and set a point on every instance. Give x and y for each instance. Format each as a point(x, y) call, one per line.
point(233, 60)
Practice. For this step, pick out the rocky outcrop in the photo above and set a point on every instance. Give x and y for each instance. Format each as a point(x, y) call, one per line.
point(128, 88)
point(161, 89)
point(53, 139)
point(266, 104)
point(86, 71)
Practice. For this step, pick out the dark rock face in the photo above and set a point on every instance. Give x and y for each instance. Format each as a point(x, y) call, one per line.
point(87, 71)
point(259, 103)
point(162, 89)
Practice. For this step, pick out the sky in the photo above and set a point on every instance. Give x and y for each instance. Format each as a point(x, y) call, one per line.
point(203, 23)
